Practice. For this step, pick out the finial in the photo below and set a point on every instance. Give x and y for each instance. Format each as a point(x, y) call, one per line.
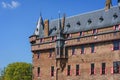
point(59, 22)
point(59, 14)
point(40, 14)
point(63, 21)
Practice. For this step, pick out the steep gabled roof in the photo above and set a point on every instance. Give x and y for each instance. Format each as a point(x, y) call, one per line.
point(88, 21)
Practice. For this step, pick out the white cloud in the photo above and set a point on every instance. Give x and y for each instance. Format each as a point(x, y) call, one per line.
point(13, 4)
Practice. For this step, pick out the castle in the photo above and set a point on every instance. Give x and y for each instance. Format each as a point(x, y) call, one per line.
point(81, 47)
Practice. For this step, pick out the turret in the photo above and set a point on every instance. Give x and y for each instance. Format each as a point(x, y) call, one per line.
point(60, 53)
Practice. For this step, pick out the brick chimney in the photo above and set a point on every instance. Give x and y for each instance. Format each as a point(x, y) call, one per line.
point(108, 4)
point(46, 28)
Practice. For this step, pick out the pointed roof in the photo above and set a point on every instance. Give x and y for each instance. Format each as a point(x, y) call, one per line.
point(40, 27)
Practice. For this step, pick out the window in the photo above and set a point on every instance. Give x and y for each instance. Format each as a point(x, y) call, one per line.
point(81, 33)
point(101, 19)
point(77, 70)
point(38, 71)
point(57, 50)
point(52, 38)
point(78, 23)
point(73, 50)
point(92, 68)
point(55, 37)
point(103, 71)
point(116, 67)
point(52, 70)
point(89, 21)
point(94, 31)
point(68, 70)
point(115, 16)
point(50, 53)
point(92, 48)
point(69, 36)
point(38, 55)
point(116, 45)
point(116, 27)
point(41, 40)
point(82, 49)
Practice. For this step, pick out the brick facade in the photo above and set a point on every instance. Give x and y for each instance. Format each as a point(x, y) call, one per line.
point(94, 55)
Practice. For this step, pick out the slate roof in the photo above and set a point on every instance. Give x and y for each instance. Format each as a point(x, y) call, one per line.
point(88, 21)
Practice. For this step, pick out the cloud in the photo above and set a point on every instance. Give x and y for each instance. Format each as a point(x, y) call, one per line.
point(13, 4)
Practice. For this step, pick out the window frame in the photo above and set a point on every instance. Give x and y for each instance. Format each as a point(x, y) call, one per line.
point(52, 71)
point(92, 69)
point(38, 71)
point(116, 45)
point(92, 48)
point(82, 49)
point(116, 67)
point(103, 68)
point(77, 70)
point(68, 70)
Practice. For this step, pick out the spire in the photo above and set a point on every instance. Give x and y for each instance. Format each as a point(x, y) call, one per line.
point(63, 21)
point(59, 21)
point(40, 26)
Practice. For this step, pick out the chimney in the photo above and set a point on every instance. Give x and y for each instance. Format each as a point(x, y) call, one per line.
point(63, 21)
point(119, 3)
point(108, 5)
point(46, 28)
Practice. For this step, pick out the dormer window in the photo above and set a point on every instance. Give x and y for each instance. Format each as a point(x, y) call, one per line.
point(68, 25)
point(55, 28)
point(37, 29)
point(101, 19)
point(78, 23)
point(89, 21)
point(115, 16)
point(55, 37)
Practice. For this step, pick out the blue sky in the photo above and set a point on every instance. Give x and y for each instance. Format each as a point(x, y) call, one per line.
point(18, 19)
